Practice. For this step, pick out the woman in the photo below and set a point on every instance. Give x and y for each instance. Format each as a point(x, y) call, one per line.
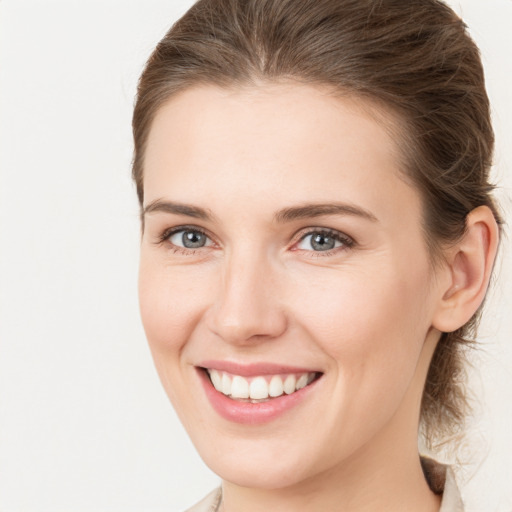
point(318, 238)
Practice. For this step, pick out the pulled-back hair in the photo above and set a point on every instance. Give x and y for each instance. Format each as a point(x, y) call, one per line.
point(414, 58)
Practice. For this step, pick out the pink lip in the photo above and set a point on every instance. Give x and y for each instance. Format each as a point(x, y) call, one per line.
point(254, 369)
point(253, 413)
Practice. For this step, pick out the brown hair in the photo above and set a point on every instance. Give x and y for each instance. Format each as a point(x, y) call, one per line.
point(414, 57)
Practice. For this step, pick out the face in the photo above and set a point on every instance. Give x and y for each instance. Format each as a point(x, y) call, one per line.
point(285, 287)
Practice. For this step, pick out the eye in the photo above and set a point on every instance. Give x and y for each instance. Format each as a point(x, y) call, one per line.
point(189, 239)
point(322, 240)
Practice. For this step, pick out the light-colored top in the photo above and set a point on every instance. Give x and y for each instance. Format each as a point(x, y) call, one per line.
point(210, 503)
point(451, 500)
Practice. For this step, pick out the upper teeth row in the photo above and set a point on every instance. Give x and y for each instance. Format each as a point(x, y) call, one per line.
point(258, 387)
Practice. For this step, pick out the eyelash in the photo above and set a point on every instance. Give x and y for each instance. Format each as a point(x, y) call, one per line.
point(166, 234)
point(346, 241)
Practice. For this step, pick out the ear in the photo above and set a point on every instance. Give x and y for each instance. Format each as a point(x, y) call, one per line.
point(469, 266)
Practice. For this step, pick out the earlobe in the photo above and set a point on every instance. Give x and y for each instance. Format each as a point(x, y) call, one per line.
point(469, 267)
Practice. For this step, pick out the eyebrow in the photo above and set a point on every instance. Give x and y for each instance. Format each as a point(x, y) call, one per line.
point(320, 209)
point(159, 205)
point(282, 216)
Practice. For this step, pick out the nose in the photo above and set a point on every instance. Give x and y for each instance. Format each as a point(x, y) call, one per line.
point(246, 306)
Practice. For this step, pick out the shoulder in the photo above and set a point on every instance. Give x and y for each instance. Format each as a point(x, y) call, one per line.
point(209, 503)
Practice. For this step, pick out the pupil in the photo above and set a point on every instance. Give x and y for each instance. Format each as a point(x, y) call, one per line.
point(321, 242)
point(193, 239)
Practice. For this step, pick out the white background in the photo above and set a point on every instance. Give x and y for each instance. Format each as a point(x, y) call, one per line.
point(84, 424)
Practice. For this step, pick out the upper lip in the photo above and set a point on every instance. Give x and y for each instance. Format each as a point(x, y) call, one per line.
point(253, 369)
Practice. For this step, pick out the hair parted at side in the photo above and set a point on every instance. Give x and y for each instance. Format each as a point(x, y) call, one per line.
point(413, 57)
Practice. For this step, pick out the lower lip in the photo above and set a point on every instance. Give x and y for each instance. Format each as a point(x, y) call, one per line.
point(252, 413)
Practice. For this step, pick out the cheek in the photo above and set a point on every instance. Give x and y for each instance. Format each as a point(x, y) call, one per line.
point(170, 304)
point(373, 331)
point(170, 307)
point(371, 325)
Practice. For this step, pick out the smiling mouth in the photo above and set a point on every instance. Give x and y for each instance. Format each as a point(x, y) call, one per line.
point(262, 388)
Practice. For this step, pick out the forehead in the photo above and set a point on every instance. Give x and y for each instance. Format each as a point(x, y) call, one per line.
point(285, 141)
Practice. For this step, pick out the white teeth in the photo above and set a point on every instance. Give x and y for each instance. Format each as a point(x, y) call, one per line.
point(302, 382)
point(258, 388)
point(275, 387)
point(216, 380)
point(226, 384)
point(289, 384)
point(239, 387)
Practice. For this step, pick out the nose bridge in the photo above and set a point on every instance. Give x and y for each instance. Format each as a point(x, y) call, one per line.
point(247, 305)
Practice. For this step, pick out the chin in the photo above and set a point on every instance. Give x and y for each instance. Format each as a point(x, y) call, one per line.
point(253, 474)
point(255, 463)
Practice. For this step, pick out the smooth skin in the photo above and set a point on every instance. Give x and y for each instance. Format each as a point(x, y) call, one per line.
point(234, 169)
